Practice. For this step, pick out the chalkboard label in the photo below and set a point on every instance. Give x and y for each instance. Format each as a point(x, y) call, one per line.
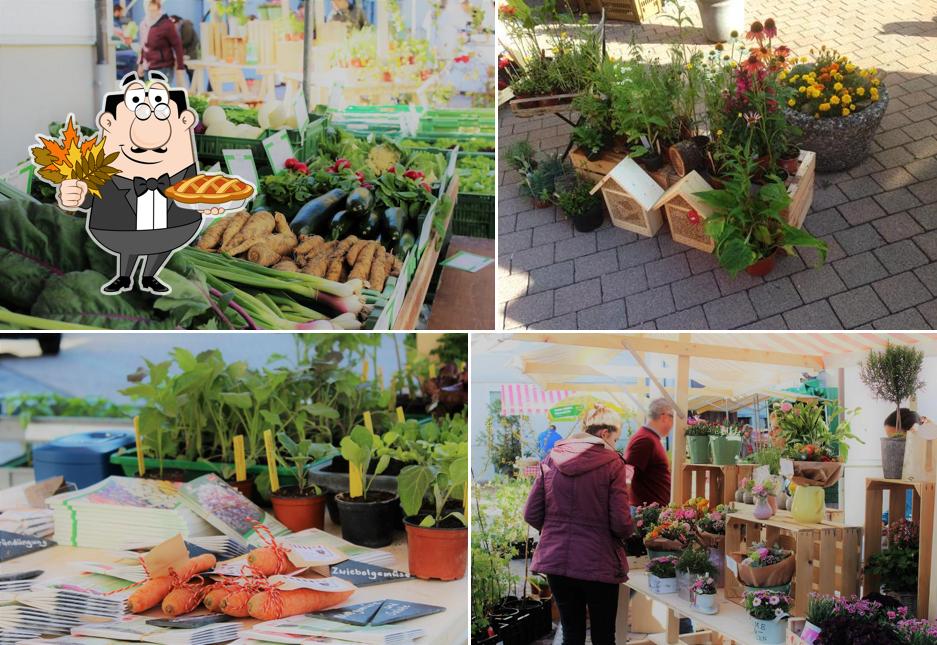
point(362, 574)
point(354, 614)
point(397, 611)
point(13, 545)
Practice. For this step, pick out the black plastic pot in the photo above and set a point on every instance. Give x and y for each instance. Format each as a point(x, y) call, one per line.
point(371, 523)
point(590, 220)
point(332, 507)
point(533, 622)
point(651, 162)
point(520, 551)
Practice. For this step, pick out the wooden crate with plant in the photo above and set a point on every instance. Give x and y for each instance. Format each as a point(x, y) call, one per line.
point(713, 482)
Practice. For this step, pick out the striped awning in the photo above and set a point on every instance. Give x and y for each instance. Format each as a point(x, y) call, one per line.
point(524, 398)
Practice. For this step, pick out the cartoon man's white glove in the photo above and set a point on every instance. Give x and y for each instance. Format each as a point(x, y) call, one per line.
point(71, 193)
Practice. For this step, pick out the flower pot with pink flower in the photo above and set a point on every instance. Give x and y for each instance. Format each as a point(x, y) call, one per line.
point(662, 574)
point(703, 592)
point(698, 433)
point(760, 492)
point(712, 534)
point(769, 611)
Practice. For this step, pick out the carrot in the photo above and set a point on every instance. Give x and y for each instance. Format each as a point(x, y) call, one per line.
point(237, 223)
point(213, 598)
point(271, 605)
point(267, 562)
point(235, 604)
point(212, 235)
point(152, 592)
point(183, 599)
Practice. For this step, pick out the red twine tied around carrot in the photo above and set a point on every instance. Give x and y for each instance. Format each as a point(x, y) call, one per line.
point(279, 551)
point(195, 584)
point(273, 601)
point(147, 577)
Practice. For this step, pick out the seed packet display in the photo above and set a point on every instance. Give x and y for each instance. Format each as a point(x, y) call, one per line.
point(379, 612)
point(222, 506)
point(222, 546)
point(312, 628)
point(352, 551)
point(139, 629)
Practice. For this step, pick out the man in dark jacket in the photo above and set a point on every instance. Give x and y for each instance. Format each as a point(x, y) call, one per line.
point(645, 451)
point(579, 503)
point(162, 47)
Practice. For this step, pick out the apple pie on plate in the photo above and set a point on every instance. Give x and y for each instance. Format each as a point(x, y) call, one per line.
point(202, 192)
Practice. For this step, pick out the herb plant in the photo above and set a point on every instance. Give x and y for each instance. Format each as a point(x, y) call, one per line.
point(893, 375)
point(575, 199)
point(299, 456)
point(358, 447)
point(446, 476)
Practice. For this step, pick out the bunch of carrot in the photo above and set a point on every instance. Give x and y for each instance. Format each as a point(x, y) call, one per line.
point(179, 591)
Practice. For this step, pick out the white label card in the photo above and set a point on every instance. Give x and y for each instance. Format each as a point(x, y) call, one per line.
point(240, 162)
point(787, 467)
point(761, 474)
point(302, 112)
point(733, 565)
point(319, 584)
point(313, 555)
point(278, 149)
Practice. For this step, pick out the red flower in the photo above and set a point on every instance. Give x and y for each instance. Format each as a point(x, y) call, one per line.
point(782, 51)
point(756, 32)
point(392, 170)
point(752, 64)
point(771, 30)
point(693, 217)
point(507, 10)
point(503, 62)
point(414, 175)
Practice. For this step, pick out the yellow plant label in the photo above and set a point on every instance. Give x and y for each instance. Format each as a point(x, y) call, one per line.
point(380, 378)
point(400, 416)
point(355, 483)
point(364, 371)
point(141, 468)
point(271, 461)
point(367, 422)
point(240, 461)
point(465, 499)
point(432, 371)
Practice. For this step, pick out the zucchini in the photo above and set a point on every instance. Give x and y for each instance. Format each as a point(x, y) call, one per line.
point(407, 241)
point(372, 227)
point(314, 217)
point(394, 226)
point(342, 225)
point(360, 202)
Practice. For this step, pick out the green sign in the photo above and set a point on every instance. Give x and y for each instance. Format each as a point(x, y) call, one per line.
point(566, 412)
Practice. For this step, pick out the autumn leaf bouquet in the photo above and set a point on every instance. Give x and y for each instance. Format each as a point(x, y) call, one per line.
point(71, 156)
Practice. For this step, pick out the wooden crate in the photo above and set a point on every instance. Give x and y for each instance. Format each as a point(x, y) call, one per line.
point(922, 511)
point(540, 105)
point(597, 168)
point(800, 188)
point(827, 555)
point(631, 10)
point(716, 483)
point(704, 637)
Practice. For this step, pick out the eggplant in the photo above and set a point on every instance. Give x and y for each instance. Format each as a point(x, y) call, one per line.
point(314, 217)
point(407, 241)
point(342, 225)
point(372, 227)
point(394, 226)
point(360, 202)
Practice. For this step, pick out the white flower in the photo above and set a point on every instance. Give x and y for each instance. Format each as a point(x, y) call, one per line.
point(779, 612)
point(756, 602)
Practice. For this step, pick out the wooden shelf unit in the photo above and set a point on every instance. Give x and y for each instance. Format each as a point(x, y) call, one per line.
point(716, 483)
point(827, 554)
point(922, 512)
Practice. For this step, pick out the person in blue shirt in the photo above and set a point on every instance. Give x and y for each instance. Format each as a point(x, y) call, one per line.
point(546, 439)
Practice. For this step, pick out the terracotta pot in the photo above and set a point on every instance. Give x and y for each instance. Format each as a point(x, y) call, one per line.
point(436, 553)
point(245, 488)
point(762, 267)
point(299, 512)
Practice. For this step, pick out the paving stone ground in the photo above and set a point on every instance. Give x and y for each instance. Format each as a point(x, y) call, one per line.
point(879, 219)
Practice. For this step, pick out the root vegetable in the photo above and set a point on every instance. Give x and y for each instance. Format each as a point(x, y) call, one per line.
point(234, 228)
point(355, 250)
point(213, 598)
point(362, 267)
point(268, 252)
point(235, 604)
point(271, 605)
point(260, 225)
point(183, 600)
point(378, 273)
point(398, 266)
point(308, 244)
point(389, 263)
point(152, 592)
point(338, 258)
point(286, 265)
point(211, 238)
point(281, 226)
point(318, 263)
point(269, 562)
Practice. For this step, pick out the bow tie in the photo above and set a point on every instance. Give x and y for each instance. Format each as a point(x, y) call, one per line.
point(141, 185)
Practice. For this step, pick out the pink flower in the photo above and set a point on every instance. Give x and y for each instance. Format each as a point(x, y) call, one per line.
point(786, 407)
point(692, 421)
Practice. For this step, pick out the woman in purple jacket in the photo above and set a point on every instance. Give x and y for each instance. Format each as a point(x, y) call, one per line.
point(579, 504)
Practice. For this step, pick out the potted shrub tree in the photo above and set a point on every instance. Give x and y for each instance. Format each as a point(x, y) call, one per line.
point(893, 375)
point(746, 224)
point(589, 139)
point(370, 517)
point(301, 506)
point(769, 611)
point(437, 537)
point(662, 574)
point(580, 205)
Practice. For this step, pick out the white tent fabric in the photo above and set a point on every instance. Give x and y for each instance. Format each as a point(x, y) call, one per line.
point(523, 398)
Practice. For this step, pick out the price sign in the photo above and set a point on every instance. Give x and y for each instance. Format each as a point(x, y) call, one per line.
point(278, 149)
point(400, 416)
point(241, 163)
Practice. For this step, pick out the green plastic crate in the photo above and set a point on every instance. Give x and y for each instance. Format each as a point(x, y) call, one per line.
point(211, 147)
point(306, 145)
point(474, 215)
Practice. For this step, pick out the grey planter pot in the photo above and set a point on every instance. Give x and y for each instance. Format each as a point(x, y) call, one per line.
point(892, 457)
point(840, 142)
point(338, 482)
point(720, 17)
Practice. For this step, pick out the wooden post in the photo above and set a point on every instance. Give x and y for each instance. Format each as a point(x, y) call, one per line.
point(679, 428)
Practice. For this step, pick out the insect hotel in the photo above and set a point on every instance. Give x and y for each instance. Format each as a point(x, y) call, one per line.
point(686, 212)
point(631, 197)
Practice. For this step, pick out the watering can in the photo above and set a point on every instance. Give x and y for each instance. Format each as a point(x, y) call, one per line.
point(809, 504)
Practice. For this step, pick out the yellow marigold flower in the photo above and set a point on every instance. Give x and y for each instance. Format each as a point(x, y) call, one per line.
point(846, 99)
point(863, 72)
point(834, 100)
point(845, 111)
point(838, 86)
point(860, 91)
point(873, 92)
point(782, 75)
point(873, 71)
point(875, 82)
point(791, 102)
point(824, 107)
point(719, 132)
point(850, 68)
point(733, 64)
point(838, 77)
point(801, 89)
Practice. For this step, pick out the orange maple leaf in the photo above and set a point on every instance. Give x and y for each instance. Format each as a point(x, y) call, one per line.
point(71, 135)
point(87, 144)
point(57, 151)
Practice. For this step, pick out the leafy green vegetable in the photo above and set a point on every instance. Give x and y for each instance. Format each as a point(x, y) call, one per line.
point(287, 187)
point(476, 174)
point(50, 404)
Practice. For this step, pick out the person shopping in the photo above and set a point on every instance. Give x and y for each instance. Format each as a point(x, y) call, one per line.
point(579, 503)
point(645, 451)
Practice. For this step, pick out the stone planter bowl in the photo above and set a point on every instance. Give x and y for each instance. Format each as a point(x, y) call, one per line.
point(840, 142)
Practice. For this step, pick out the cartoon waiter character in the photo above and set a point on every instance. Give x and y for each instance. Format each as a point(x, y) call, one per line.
point(153, 205)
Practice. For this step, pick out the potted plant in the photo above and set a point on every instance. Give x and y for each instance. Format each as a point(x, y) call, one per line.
point(367, 519)
point(301, 506)
point(698, 432)
point(692, 563)
point(662, 574)
point(580, 205)
point(437, 538)
point(893, 375)
point(703, 591)
point(769, 611)
point(897, 564)
point(720, 18)
point(838, 111)
point(49, 415)
point(589, 139)
point(746, 224)
point(820, 608)
point(726, 445)
point(668, 537)
point(760, 493)
point(502, 440)
point(847, 621)
point(712, 534)
point(765, 568)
